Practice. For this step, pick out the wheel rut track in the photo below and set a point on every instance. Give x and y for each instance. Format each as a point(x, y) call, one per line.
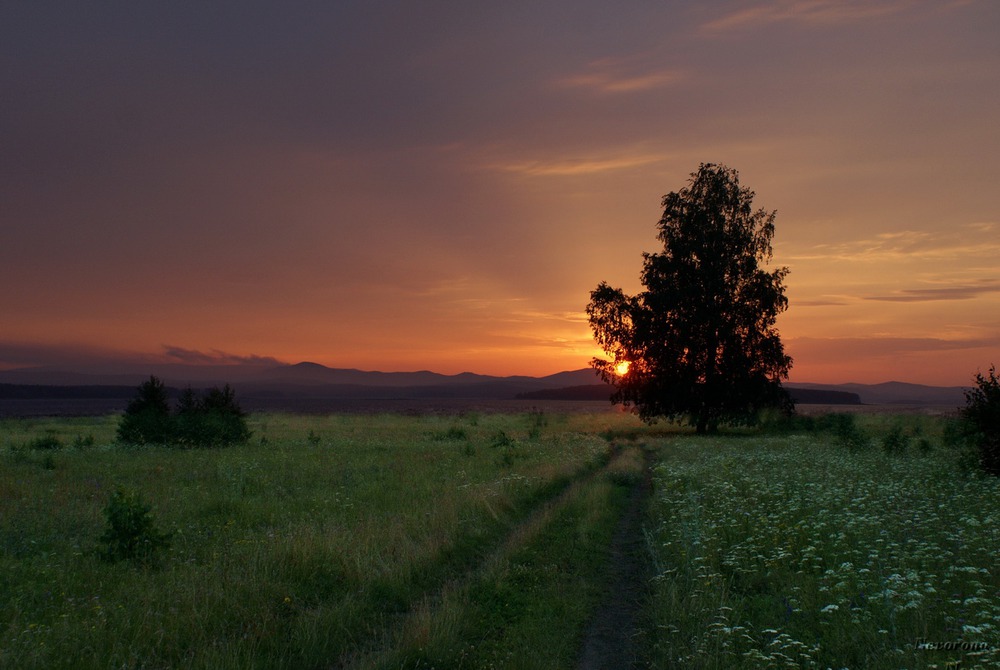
point(613, 637)
point(533, 522)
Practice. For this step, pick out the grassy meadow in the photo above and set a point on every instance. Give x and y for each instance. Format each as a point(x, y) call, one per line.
point(346, 541)
point(480, 540)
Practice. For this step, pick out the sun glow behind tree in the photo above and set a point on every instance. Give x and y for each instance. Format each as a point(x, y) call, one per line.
point(700, 342)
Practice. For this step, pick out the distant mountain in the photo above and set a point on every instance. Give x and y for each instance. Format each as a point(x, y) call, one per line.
point(897, 393)
point(311, 381)
point(275, 376)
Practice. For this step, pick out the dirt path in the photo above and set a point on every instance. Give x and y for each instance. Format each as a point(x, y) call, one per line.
point(533, 523)
point(614, 638)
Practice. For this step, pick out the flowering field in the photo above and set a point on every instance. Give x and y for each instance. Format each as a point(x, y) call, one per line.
point(794, 551)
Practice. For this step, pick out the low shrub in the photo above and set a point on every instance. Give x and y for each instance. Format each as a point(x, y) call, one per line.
point(147, 418)
point(453, 433)
point(45, 443)
point(982, 412)
point(130, 533)
point(81, 442)
point(214, 419)
point(894, 441)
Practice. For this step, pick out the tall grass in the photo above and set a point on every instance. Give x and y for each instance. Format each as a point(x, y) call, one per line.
point(289, 552)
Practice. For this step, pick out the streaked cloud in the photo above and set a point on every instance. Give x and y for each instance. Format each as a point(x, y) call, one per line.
point(617, 75)
point(807, 12)
point(902, 245)
point(822, 302)
point(963, 292)
point(70, 354)
point(213, 357)
point(839, 347)
point(571, 167)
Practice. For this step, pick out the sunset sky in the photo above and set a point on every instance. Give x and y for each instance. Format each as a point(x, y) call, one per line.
point(439, 185)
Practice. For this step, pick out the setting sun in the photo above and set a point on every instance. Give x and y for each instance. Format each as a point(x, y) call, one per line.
point(622, 368)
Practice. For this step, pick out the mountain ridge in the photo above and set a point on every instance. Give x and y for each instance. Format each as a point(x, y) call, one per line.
point(313, 380)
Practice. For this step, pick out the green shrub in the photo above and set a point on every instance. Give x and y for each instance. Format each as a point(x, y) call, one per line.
point(846, 430)
point(503, 441)
point(81, 442)
point(147, 418)
point(45, 443)
point(452, 434)
point(214, 419)
point(982, 411)
point(894, 441)
point(538, 421)
point(130, 533)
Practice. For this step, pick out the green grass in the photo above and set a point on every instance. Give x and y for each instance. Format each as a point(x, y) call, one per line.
point(480, 541)
point(293, 551)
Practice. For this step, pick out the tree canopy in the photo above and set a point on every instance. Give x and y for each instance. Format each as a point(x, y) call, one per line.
point(213, 419)
point(982, 410)
point(700, 341)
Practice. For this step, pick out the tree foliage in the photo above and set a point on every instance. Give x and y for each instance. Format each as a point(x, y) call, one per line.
point(982, 410)
point(213, 419)
point(700, 340)
point(147, 418)
point(131, 532)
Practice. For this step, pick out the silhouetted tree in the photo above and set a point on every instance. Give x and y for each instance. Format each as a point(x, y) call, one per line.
point(147, 418)
point(700, 341)
point(982, 410)
point(223, 421)
point(187, 421)
point(200, 421)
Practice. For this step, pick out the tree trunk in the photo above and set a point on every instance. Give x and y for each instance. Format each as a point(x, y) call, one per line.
point(701, 427)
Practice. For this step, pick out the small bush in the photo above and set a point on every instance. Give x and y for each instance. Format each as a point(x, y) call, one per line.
point(894, 442)
point(214, 419)
point(844, 427)
point(130, 533)
point(81, 442)
point(45, 443)
point(982, 412)
point(503, 441)
point(453, 433)
point(538, 421)
point(147, 418)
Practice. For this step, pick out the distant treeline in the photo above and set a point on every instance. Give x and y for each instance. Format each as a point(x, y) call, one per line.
point(603, 392)
point(40, 392)
point(587, 392)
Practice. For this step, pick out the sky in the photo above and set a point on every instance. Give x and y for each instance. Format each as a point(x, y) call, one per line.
point(439, 185)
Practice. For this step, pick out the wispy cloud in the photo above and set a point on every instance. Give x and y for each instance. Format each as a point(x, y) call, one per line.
point(213, 357)
point(843, 348)
point(570, 167)
point(961, 292)
point(822, 302)
point(808, 12)
point(611, 75)
point(21, 354)
point(906, 244)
